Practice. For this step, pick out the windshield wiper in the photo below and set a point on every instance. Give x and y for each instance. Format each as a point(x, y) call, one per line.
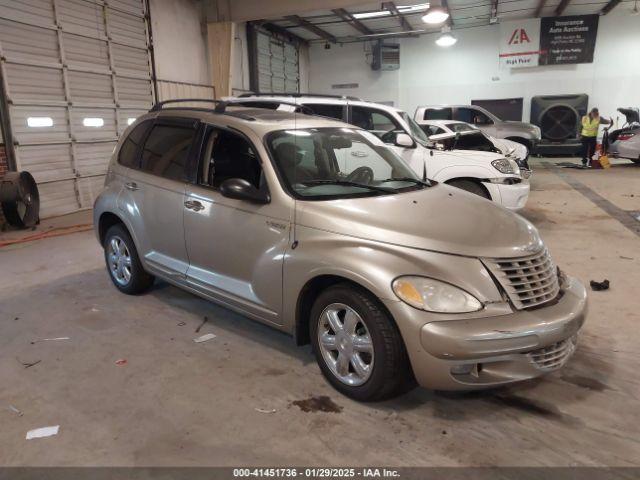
point(425, 183)
point(349, 184)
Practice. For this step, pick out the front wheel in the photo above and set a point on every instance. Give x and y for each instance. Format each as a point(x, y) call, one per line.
point(471, 187)
point(123, 263)
point(358, 346)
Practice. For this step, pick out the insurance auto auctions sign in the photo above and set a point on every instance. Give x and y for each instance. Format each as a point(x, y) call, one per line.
point(520, 43)
point(570, 39)
point(548, 41)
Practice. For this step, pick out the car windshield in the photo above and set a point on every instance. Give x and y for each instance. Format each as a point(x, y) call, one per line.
point(416, 132)
point(460, 127)
point(329, 163)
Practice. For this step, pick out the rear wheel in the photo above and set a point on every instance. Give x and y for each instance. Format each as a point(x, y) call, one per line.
point(357, 345)
point(470, 186)
point(123, 263)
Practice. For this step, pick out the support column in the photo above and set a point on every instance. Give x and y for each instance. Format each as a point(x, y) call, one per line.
point(220, 42)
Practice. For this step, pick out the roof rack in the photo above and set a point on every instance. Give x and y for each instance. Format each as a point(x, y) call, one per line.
point(299, 95)
point(160, 105)
point(221, 105)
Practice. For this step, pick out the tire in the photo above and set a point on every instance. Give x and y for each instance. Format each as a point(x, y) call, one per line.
point(389, 371)
point(471, 187)
point(137, 280)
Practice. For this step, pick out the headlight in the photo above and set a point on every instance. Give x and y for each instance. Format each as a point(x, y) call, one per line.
point(434, 296)
point(506, 166)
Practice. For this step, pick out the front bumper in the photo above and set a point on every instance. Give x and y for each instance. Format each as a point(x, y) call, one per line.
point(514, 197)
point(495, 350)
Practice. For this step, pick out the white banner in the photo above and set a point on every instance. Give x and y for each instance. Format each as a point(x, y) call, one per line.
point(520, 43)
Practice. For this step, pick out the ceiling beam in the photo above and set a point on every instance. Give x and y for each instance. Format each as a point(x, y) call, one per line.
point(404, 23)
point(539, 8)
point(609, 6)
point(561, 8)
point(445, 5)
point(354, 22)
point(272, 27)
point(301, 22)
point(494, 9)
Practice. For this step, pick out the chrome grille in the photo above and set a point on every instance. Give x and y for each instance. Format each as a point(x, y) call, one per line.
point(554, 356)
point(529, 281)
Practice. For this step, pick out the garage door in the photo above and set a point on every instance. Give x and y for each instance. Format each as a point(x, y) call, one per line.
point(277, 64)
point(76, 73)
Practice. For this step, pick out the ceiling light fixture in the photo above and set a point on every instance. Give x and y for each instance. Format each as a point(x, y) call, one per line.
point(446, 38)
point(435, 15)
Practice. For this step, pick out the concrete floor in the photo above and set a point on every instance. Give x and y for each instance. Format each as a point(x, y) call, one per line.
point(180, 403)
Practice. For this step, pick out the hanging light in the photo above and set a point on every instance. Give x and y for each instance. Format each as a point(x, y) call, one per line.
point(446, 38)
point(435, 15)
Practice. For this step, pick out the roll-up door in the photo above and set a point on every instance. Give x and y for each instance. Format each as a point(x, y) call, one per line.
point(277, 65)
point(76, 74)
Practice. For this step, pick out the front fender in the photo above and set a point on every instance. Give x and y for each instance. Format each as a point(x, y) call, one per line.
point(373, 266)
point(465, 171)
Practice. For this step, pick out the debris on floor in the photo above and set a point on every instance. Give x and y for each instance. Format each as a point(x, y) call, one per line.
point(43, 432)
point(29, 364)
point(599, 286)
point(51, 339)
point(122, 361)
point(264, 410)
point(626, 258)
point(206, 319)
point(204, 338)
point(321, 403)
point(182, 324)
point(15, 410)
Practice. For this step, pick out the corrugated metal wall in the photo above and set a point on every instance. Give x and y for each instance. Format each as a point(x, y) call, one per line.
point(77, 73)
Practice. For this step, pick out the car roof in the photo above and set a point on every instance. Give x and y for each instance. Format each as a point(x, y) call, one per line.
point(302, 100)
point(259, 120)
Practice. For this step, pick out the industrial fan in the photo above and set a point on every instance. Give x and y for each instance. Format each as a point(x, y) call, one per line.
point(20, 199)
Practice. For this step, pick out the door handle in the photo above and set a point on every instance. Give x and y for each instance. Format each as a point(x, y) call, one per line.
point(194, 205)
point(131, 186)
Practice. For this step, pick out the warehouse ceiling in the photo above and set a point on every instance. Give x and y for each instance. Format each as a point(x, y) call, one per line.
point(392, 19)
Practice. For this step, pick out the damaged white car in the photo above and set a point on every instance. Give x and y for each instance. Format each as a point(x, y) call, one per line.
point(455, 135)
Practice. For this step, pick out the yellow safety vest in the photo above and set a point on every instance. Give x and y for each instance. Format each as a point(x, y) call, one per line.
point(590, 127)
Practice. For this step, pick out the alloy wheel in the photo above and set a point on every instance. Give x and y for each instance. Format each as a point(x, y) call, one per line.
point(119, 260)
point(345, 344)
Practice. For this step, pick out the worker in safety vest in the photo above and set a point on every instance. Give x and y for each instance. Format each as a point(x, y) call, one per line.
point(589, 134)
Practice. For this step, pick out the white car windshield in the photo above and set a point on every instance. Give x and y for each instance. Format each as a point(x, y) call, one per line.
point(327, 163)
point(416, 132)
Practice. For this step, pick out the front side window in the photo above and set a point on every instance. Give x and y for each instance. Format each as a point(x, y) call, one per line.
point(375, 121)
point(128, 155)
point(229, 155)
point(166, 151)
point(328, 163)
point(443, 113)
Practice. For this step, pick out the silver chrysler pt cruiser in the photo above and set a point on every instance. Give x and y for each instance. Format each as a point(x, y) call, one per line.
point(318, 229)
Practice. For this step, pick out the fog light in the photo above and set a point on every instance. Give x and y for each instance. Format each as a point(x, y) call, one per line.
point(464, 369)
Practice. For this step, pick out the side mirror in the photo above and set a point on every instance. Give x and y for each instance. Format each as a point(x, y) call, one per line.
point(404, 140)
point(240, 189)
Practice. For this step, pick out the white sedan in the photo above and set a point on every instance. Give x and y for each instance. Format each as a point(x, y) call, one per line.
point(472, 138)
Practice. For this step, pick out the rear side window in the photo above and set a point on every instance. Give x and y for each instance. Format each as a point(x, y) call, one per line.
point(437, 114)
point(128, 155)
point(331, 111)
point(166, 151)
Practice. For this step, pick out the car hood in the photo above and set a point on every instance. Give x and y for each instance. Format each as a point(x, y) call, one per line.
point(441, 218)
point(519, 125)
